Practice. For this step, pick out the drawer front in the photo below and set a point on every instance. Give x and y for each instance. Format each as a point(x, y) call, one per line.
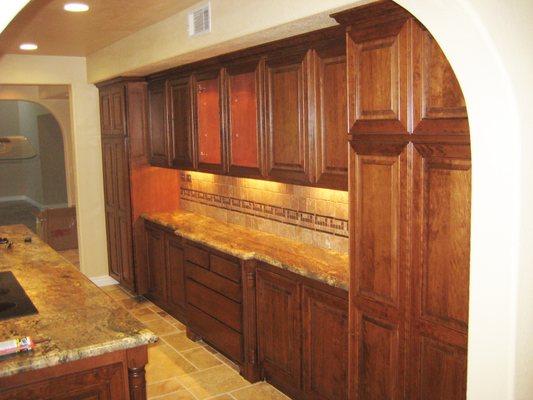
point(223, 309)
point(222, 338)
point(196, 255)
point(226, 268)
point(213, 281)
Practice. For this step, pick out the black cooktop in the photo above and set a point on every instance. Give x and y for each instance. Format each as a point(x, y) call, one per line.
point(13, 299)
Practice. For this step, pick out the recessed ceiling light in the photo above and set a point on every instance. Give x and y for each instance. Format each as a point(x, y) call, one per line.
point(76, 7)
point(28, 46)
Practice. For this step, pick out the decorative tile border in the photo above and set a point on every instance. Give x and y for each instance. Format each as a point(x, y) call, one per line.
point(321, 223)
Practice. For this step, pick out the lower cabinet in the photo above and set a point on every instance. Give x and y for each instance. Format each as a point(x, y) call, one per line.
point(302, 335)
point(166, 270)
point(277, 325)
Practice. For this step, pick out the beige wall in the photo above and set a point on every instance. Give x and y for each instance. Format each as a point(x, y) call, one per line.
point(488, 44)
point(85, 128)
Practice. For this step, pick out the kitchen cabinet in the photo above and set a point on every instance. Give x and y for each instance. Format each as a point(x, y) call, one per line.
point(156, 264)
point(244, 93)
point(131, 187)
point(410, 197)
point(208, 121)
point(279, 330)
point(276, 112)
point(166, 270)
point(180, 121)
point(287, 111)
point(325, 343)
point(331, 145)
point(302, 335)
point(158, 143)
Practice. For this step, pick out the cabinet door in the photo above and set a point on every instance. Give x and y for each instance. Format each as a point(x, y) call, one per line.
point(287, 125)
point(118, 209)
point(208, 121)
point(175, 275)
point(325, 345)
point(440, 276)
point(112, 110)
point(378, 75)
point(180, 122)
point(379, 290)
point(156, 263)
point(159, 149)
point(438, 104)
point(331, 142)
point(244, 97)
point(279, 329)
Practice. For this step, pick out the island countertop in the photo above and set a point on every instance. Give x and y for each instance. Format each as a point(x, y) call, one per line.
point(78, 319)
point(319, 264)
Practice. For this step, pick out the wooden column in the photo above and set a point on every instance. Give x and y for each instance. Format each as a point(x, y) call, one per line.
point(137, 359)
point(410, 210)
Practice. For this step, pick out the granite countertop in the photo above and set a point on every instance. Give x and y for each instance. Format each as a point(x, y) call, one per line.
point(79, 319)
point(316, 263)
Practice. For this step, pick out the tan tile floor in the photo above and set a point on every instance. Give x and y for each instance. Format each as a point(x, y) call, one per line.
point(180, 369)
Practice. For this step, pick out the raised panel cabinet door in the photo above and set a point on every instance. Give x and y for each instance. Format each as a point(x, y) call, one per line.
point(137, 121)
point(244, 84)
point(325, 345)
point(113, 245)
point(103, 383)
point(158, 133)
point(331, 144)
point(438, 104)
point(207, 87)
point(181, 122)
point(379, 268)
point(378, 75)
point(112, 110)
point(175, 274)
point(279, 329)
point(287, 123)
point(441, 266)
point(156, 263)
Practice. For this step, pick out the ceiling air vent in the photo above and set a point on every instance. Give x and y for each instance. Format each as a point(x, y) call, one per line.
point(200, 20)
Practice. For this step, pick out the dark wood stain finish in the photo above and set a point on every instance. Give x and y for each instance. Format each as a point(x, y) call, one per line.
point(409, 210)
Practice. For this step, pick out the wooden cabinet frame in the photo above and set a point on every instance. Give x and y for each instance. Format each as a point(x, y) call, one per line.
point(255, 66)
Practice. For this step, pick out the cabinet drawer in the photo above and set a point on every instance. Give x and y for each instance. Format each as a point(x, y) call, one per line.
point(196, 255)
point(223, 309)
point(213, 281)
point(222, 338)
point(226, 268)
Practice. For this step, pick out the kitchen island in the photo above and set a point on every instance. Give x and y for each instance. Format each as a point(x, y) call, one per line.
point(90, 346)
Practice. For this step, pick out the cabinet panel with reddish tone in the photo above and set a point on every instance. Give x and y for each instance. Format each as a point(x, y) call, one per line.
point(207, 87)
point(156, 264)
point(244, 86)
point(175, 264)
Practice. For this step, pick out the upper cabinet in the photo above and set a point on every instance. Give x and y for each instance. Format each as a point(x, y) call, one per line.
point(276, 111)
point(112, 107)
point(180, 121)
point(331, 128)
point(244, 111)
point(159, 146)
point(208, 112)
point(438, 103)
point(287, 110)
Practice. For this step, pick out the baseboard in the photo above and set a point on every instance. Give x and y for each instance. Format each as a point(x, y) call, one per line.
point(104, 280)
point(34, 203)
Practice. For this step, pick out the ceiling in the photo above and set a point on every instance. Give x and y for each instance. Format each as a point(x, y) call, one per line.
point(58, 32)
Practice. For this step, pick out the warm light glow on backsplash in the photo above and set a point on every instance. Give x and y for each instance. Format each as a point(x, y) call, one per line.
point(312, 215)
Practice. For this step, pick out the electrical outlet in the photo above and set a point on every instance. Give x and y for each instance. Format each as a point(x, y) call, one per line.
point(188, 178)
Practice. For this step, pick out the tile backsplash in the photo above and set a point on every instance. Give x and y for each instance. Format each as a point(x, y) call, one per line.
point(311, 215)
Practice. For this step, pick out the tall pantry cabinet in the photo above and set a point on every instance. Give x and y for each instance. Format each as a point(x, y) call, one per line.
point(409, 184)
point(131, 185)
